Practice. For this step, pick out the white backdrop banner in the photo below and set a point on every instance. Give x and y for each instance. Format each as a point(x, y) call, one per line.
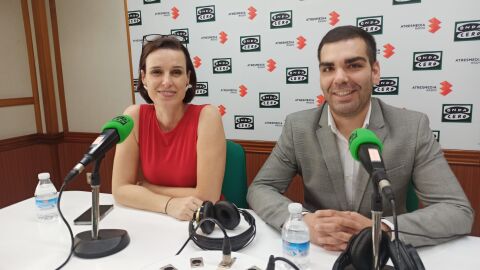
point(257, 60)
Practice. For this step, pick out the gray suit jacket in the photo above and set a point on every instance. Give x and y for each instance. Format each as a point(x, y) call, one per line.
point(307, 146)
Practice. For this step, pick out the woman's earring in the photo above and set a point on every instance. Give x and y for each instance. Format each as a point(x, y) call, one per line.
point(188, 86)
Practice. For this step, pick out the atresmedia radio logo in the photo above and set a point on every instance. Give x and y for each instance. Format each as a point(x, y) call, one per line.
point(134, 17)
point(244, 122)
point(458, 113)
point(296, 75)
point(373, 25)
point(386, 86)
point(205, 14)
point(467, 30)
point(250, 44)
point(201, 89)
point(281, 19)
point(269, 100)
point(222, 65)
point(427, 60)
point(182, 35)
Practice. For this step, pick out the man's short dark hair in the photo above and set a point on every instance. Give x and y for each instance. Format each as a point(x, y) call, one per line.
point(349, 32)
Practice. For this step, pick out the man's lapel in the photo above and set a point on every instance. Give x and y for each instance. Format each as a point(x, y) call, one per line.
point(328, 144)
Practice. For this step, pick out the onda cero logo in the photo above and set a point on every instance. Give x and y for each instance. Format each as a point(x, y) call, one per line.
point(135, 85)
point(296, 75)
point(181, 34)
point(202, 89)
point(134, 18)
point(427, 60)
point(386, 86)
point(400, 2)
point(458, 113)
point(269, 100)
point(244, 122)
point(222, 65)
point(436, 135)
point(467, 30)
point(205, 14)
point(250, 44)
point(373, 25)
point(281, 19)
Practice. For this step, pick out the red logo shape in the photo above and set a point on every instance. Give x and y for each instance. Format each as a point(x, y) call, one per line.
point(223, 37)
point(271, 65)
point(446, 88)
point(301, 42)
point(252, 13)
point(222, 110)
point(175, 13)
point(243, 90)
point(320, 100)
point(334, 18)
point(197, 61)
point(434, 25)
point(388, 52)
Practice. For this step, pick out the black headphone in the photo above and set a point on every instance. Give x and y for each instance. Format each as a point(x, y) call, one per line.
point(359, 253)
point(228, 215)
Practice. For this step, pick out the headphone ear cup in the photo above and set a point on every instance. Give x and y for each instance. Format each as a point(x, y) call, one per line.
point(207, 211)
point(227, 214)
point(361, 250)
point(407, 258)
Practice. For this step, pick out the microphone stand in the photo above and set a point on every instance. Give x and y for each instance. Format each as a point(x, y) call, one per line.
point(99, 243)
point(377, 210)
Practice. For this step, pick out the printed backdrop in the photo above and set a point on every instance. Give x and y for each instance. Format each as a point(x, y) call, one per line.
point(256, 60)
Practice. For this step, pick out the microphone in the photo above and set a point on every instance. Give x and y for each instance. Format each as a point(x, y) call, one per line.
point(366, 147)
point(113, 132)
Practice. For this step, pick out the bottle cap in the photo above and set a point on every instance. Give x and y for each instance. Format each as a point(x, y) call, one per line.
point(295, 208)
point(44, 176)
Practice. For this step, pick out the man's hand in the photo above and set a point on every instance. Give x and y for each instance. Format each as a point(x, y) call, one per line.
point(333, 229)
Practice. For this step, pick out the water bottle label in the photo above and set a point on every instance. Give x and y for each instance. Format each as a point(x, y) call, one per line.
point(296, 249)
point(46, 204)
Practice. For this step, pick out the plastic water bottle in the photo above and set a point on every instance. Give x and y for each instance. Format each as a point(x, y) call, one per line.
point(46, 198)
point(295, 237)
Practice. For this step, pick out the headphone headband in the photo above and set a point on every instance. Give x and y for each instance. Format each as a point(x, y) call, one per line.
point(215, 243)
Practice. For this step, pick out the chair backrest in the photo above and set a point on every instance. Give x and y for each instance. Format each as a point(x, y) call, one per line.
point(234, 187)
point(412, 199)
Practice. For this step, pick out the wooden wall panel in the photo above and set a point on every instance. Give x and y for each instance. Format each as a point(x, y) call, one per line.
point(19, 169)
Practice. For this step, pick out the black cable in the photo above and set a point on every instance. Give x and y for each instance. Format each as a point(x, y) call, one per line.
point(272, 259)
point(226, 247)
point(395, 225)
point(64, 185)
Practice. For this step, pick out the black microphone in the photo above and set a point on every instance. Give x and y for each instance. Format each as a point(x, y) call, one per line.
point(113, 132)
point(366, 147)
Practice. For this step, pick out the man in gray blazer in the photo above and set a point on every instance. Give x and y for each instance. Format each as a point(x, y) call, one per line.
point(337, 190)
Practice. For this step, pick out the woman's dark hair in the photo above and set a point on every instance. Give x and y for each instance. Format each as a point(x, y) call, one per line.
point(349, 32)
point(172, 43)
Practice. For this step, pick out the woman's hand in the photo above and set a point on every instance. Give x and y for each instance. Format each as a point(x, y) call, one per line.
point(183, 208)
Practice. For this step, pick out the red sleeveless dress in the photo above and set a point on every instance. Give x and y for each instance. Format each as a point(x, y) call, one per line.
point(169, 158)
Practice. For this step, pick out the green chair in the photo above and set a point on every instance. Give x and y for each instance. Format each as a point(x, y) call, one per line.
point(412, 199)
point(234, 187)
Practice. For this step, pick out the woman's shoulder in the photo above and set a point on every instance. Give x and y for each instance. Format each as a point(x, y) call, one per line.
point(208, 112)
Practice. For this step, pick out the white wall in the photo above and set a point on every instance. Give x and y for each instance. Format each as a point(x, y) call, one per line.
point(14, 72)
point(94, 52)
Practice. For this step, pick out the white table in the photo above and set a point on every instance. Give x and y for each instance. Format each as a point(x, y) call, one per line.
point(28, 244)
